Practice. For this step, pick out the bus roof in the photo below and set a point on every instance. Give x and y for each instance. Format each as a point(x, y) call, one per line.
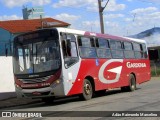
point(87, 33)
point(136, 40)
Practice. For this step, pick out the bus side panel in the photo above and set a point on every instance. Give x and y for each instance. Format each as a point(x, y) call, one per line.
point(70, 78)
point(141, 72)
point(88, 68)
point(98, 70)
point(111, 73)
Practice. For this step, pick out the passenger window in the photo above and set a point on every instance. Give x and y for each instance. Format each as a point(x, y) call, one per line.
point(85, 42)
point(128, 46)
point(103, 50)
point(102, 43)
point(87, 47)
point(136, 47)
point(144, 50)
point(138, 51)
point(115, 44)
point(128, 50)
point(116, 49)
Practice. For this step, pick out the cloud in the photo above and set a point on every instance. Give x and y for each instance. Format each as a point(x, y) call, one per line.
point(91, 5)
point(112, 24)
point(74, 3)
point(113, 16)
point(67, 17)
point(153, 40)
point(17, 3)
point(90, 23)
point(93, 26)
point(145, 18)
point(12, 17)
point(71, 19)
point(144, 10)
point(111, 6)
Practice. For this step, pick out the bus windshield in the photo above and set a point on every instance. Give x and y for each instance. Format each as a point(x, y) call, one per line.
point(38, 55)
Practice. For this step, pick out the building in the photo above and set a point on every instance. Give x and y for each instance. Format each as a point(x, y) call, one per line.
point(154, 53)
point(10, 29)
point(33, 13)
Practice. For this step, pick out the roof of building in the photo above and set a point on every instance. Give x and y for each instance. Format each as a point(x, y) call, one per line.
point(21, 26)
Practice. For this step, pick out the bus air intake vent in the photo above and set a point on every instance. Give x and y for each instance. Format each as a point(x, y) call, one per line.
point(35, 80)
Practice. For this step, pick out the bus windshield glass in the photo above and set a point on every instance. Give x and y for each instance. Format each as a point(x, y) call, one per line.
point(36, 55)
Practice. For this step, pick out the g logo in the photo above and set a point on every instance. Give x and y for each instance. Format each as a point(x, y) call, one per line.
point(116, 70)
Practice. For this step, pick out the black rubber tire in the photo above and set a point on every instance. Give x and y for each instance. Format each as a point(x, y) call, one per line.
point(48, 100)
point(87, 92)
point(132, 83)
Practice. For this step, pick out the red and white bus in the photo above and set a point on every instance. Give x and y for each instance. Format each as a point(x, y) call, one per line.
point(65, 62)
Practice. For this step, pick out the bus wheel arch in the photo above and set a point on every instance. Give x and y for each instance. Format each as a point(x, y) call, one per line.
point(132, 83)
point(88, 88)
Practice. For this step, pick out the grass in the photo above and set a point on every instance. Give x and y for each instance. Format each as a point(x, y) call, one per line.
point(155, 72)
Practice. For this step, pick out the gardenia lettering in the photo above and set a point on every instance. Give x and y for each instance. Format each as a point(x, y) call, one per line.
point(136, 65)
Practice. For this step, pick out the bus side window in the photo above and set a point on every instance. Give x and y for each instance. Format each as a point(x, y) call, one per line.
point(103, 50)
point(87, 47)
point(144, 49)
point(116, 49)
point(138, 50)
point(69, 49)
point(128, 50)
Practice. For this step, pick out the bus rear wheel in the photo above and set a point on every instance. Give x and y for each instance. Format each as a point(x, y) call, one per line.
point(87, 90)
point(132, 83)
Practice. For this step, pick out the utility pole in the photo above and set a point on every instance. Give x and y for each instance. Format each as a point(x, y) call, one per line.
point(101, 9)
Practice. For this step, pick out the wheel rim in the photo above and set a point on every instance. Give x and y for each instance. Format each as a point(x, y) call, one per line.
point(87, 89)
point(132, 83)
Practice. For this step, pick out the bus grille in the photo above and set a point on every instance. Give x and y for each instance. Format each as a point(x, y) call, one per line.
point(35, 80)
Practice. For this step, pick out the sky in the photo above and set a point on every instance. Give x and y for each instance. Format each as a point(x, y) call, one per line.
point(121, 17)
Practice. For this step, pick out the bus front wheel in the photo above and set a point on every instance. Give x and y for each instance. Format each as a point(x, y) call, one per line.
point(87, 90)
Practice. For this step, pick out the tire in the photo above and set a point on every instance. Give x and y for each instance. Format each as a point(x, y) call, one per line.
point(48, 100)
point(132, 83)
point(87, 90)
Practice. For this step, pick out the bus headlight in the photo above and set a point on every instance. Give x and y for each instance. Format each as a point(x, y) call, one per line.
point(17, 86)
point(58, 81)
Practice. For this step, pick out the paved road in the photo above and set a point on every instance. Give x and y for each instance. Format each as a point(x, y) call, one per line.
point(145, 98)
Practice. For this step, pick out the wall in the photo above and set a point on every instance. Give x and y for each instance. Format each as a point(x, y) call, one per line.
point(7, 88)
point(5, 41)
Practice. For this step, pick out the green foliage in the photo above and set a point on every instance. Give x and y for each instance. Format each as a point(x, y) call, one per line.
point(155, 72)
